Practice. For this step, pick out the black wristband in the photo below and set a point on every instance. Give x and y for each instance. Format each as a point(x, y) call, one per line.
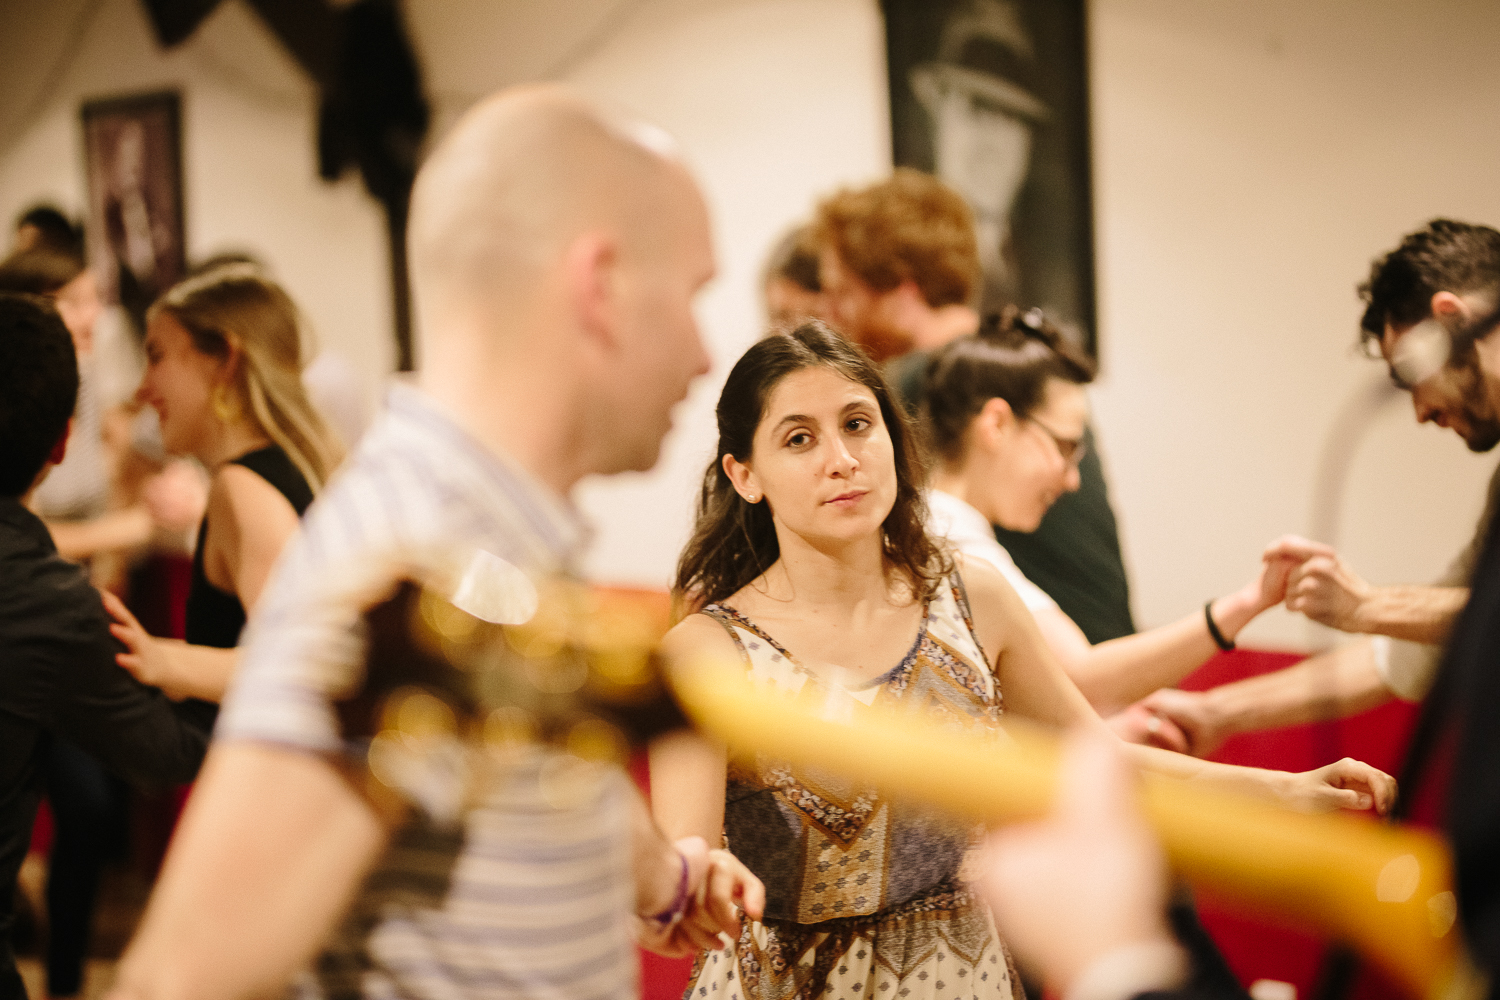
point(1213, 629)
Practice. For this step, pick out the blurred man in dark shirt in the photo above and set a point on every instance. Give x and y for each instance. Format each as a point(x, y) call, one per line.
point(57, 657)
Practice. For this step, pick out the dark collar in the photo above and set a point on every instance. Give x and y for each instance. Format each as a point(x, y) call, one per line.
point(14, 515)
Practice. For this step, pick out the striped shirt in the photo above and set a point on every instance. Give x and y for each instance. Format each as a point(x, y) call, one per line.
point(531, 896)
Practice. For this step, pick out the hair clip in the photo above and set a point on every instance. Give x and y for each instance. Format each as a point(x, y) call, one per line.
point(1034, 320)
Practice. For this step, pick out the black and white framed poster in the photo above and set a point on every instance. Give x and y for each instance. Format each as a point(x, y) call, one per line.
point(133, 152)
point(992, 97)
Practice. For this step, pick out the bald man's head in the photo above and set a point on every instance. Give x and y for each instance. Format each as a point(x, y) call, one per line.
point(521, 176)
point(554, 248)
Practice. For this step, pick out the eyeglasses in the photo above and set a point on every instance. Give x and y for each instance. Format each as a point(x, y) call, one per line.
point(1071, 450)
point(1419, 353)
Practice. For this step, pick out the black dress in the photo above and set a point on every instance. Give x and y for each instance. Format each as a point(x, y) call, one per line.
point(216, 617)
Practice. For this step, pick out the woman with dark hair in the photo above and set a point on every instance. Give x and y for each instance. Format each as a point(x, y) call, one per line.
point(811, 566)
point(1005, 414)
point(224, 356)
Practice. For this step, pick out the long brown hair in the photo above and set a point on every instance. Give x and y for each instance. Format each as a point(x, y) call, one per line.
point(734, 541)
point(234, 306)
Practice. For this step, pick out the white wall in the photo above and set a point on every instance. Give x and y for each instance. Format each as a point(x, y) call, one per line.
point(1249, 160)
point(775, 103)
point(250, 174)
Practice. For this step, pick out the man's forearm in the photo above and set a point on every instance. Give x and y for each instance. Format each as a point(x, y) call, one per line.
point(268, 854)
point(1331, 685)
point(118, 529)
point(1414, 613)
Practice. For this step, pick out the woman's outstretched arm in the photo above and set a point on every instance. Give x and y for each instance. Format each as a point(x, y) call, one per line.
point(1116, 673)
point(1036, 687)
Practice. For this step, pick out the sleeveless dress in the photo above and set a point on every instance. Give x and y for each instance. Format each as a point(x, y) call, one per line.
point(216, 617)
point(864, 900)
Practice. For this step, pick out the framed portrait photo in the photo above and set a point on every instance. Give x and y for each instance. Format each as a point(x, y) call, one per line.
point(133, 158)
point(992, 97)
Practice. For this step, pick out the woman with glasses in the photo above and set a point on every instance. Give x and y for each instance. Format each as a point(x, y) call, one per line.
point(1005, 416)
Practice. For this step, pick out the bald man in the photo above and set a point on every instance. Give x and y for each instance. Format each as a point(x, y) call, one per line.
point(555, 257)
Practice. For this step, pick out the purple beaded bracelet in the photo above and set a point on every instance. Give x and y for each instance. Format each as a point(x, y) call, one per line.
point(674, 912)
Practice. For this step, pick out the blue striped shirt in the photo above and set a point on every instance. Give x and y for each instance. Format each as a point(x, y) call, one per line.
point(531, 896)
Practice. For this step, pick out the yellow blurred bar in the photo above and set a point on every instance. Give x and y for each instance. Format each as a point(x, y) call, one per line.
point(1385, 890)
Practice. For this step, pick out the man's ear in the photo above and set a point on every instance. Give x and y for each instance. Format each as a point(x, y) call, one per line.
point(590, 268)
point(741, 476)
point(1448, 307)
point(910, 293)
point(904, 303)
point(61, 448)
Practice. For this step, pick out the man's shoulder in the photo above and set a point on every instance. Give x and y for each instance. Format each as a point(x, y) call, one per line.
point(51, 618)
point(34, 580)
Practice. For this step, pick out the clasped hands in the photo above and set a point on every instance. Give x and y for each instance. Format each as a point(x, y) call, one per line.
point(1310, 578)
point(1320, 585)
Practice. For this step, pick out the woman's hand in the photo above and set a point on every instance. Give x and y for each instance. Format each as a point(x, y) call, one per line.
point(1233, 611)
point(1344, 784)
point(720, 888)
point(149, 659)
point(1268, 589)
point(1275, 572)
point(175, 499)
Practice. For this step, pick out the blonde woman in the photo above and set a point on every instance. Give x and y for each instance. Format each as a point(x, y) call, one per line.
point(223, 372)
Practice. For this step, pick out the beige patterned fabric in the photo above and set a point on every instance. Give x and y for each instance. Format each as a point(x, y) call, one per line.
point(864, 898)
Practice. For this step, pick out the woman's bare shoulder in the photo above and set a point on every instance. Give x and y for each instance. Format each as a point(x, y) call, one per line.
point(983, 583)
point(997, 610)
point(242, 494)
point(699, 635)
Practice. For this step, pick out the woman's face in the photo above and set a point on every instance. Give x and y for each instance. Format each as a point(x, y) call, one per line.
point(822, 458)
point(179, 383)
point(1026, 463)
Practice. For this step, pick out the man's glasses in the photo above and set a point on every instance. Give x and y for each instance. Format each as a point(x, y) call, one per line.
point(1071, 450)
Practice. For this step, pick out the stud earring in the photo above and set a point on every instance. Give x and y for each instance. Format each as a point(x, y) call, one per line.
point(751, 498)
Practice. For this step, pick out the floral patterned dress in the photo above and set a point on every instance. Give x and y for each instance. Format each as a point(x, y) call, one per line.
point(864, 898)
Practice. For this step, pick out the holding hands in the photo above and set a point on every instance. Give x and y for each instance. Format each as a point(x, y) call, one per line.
point(1188, 716)
point(1309, 577)
point(1321, 585)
